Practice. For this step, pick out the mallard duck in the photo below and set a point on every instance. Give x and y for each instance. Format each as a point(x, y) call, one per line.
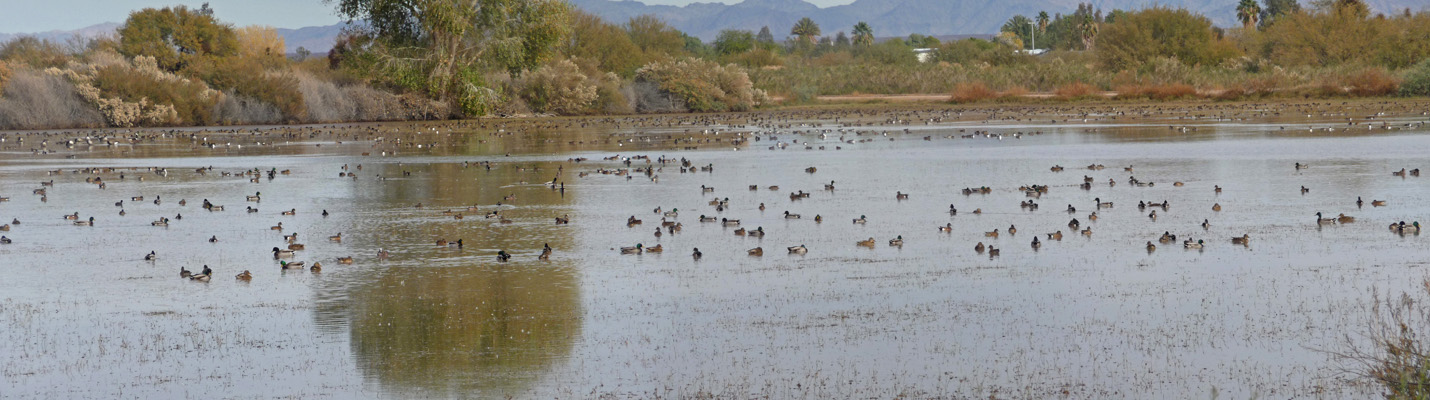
point(503, 256)
point(383, 253)
point(563, 220)
point(203, 277)
point(5, 228)
point(758, 251)
point(317, 267)
point(336, 238)
point(993, 252)
point(278, 227)
point(151, 256)
point(1305, 190)
point(1036, 244)
point(977, 211)
point(897, 242)
point(89, 222)
point(1377, 203)
point(1102, 204)
point(1071, 209)
point(1243, 240)
point(5, 240)
point(545, 252)
point(1216, 207)
point(866, 243)
point(978, 248)
point(696, 254)
point(72, 217)
point(1218, 189)
point(674, 212)
point(1056, 236)
point(759, 232)
point(993, 234)
point(1193, 245)
point(291, 238)
point(818, 218)
point(791, 216)
point(1152, 216)
point(798, 249)
point(639, 248)
point(655, 249)
point(1012, 229)
point(295, 247)
point(216, 208)
point(291, 212)
point(1345, 219)
point(325, 213)
point(729, 222)
point(255, 197)
point(184, 273)
point(704, 189)
point(762, 206)
point(1206, 224)
point(280, 253)
point(245, 276)
point(1302, 166)
point(1151, 247)
point(1167, 237)
point(1092, 217)
point(251, 210)
point(657, 232)
point(1324, 221)
point(1073, 224)
point(441, 242)
point(704, 218)
point(946, 228)
point(829, 186)
point(292, 265)
point(740, 232)
point(160, 222)
point(952, 210)
point(861, 220)
point(345, 260)
point(1178, 184)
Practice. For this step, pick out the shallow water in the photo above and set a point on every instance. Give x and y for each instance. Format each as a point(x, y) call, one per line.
point(82, 314)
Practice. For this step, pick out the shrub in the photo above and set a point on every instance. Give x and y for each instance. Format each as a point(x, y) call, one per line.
point(248, 78)
point(1417, 81)
point(145, 97)
point(1372, 82)
point(1391, 352)
point(697, 85)
point(33, 52)
point(972, 92)
point(1156, 92)
point(4, 76)
point(235, 109)
point(1077, 90)
point(1138, 37)
point(33, 100)
point(559, 88)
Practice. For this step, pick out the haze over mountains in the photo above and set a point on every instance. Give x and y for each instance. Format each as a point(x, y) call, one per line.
point(889, 18)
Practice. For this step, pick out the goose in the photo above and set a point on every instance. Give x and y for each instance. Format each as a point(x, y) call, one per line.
point(798, 249)
point(1324, 221)
point(89, 222)
point(292, 265)
point(184, 273)
point(866, 243)
point(1151, 247)
point(345, 260)
point(861, 220)
point(545, 252)
point(151, 256)
point(946, 228)
point(993, 234)
point(897, 242)
point(696, 254)
point(503, 256)
point(245, 276)
point(1192, 245)
point(758, 251)
point(1056, 236)
point(639, 248)
point(655, 249)
point(978, 248)
point(1243, 240)
point(791, 216)
point(280, 253)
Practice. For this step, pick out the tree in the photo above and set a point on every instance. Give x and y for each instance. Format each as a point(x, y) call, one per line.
point(302, 53)
point(1277, 8)
point(806, 30)
point(765, 37)
point(1020, 26)
point(607, 45)
point(1087, 29)
point(175, 36)
point(444, 47)
point(1042, 21)
point(733, 41)
point(863, 34)
point(261, 43)
point(1249, 13)
point(654, 36)
point(1139, 37)
point(841, 41)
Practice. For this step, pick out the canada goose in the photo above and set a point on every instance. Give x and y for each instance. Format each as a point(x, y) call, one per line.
point(1193, 245)
point(345, 260)
point(696, 254)
point(151, 256)
point(1243, 240)
point(978, 248)
point(293, 265)
point(866, 243)
point(1216, 207)
point(861, 220)
point(1056, 236)
point(1151, 247)
point(758, 251)
point(245, 276)
point(280, 253)
point(791, 216)
point(798, 249)
point(89, 222)
point(897, 242)
point(946, 228)
point(993, 234)
point(1324, 221)
point(639, 248)
point(184, 273)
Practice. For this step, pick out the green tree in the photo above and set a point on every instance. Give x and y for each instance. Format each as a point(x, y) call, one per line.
point(607, 45)
point(732, 41)
point(1020, 26)
point(841, 41)
point(654, 36)
point(1276, 9)
point(1139, 37)
point(1042, 21)
point(863, 34)
point(765, 37)
point(806, 30)
point(443, 47)
point(1249, 13)
point(1087, 30)
point(176, 36)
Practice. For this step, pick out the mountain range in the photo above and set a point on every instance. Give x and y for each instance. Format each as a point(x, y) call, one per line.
point(889, 18)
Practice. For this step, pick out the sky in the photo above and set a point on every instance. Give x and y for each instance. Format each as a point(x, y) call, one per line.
point(31, 16)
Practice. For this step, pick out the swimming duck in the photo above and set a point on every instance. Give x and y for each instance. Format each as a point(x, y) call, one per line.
point(1087, 232)
point(818, 218)
point(1036, 243)
point(1153, 215)
point(336, 238)
point(290, 238)
point(1359, 202)
point(1167, 237)
point(5, 228)
point(1302, 166)
point(861, 220)
point(1377, 203)
point(696, 254)
point(1218, 189)
point(202, 277)
point(829, 186)
point(758, 251)
point(729, 222)
point(798, 249)
point(946, 228)
point(866, 243)
point(89, 222)
point(291, 212)
point(1102, 204)
point(563, 220)
point(704, 218)
point(345, 260)
point(740, 232)
point(545, 252)
point(993, 252)
point(952, 210)
point(72, 217)
point(255, 197)
point(1206, 224)
point(993, 234)
point(1243, 240)
point(655, 249)
point(762, 206)
point(901, 196)
point(1324, 221)
point(1345, 219)
point(184, 273)
point(674, 212)
point(160, 222)
point(897, 242)
point(280, 253)
point(791, 216)
point(292, 265)
point(245, 276)
point(1056, 236)
point(1151, 247)
point(441, 242)
point(317, 267)
point(252, 210)
point(295, 246)
point(1216, 207)
point(278, 227)
point(1071, 209)
point(1012, 229)
point(1193, 245)
point(151, 256)
point(978, 248)
point(639, 248)
point(503, 256)
point(759, 232)
point(383, 253)
point(5, 240)
point(977, 211)
point(1092, 217)
point(1073, 224)
point(1305, 190)
point(325, 213)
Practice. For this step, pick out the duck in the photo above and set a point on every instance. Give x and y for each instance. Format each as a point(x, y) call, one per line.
point(245, 276)
point(901, 196)
point(1167, 237)
point(545, 252)
point(639, 248)
point(151, 256)
point(252, 210)
point(674, 212)
point(696, 254)
point(1101, 204)
point(1377, 203)
point(278, 227)
point(1151, 247)
point(1073, 224)
point(801, 249)
point(441, 242)
point(1305, 190)
point(1345, 219)
point(345, 260)
point(336, 238)
point(740, 232)
point(1192, 245)
point(952, 210)
point(1218, 189)
point(1012, 229)
point(655, 249)
point(291, 212)
point(866, 243)
point(295, 246)
point(993, 234)
point(1243, 240)
point(72, 217)
point(1359, 203)
point(993, 252)
point(317, 267)
point(1071, 209)
point(325, 213)
point(1087, 232)
point(829, 186)
point(290, 238)
point(946, 228)
point(759, 232)
point(1403, 228)
point(1302, 166)
point(5, 228)
point(762, 206)
point(758, 251)
point(160, 222)
point(184, 273)
point(5, 240)
point(89, 222)
point(897, 242)
point(292, 265)
point(1092, 217)
point(657, 232)
point(704, 218)
point(1153, 215)
point(861, 220)
point(978, 248)
point(503, 256)
point(383, 253)
point(202, 277)
point(1056, 236)
point(1216, 207)
point(791, 216)
point(1206, 224)
point(255, 197)
point(1324, 221)
point(280, 253)
point(818, 218)
point(729, 222)
point(1036, 243)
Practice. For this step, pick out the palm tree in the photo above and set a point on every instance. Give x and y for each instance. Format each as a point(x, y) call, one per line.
point(863, 34)
point(806, 30)
point(1042, 21)
point(1087, 30)
point(1249, 13)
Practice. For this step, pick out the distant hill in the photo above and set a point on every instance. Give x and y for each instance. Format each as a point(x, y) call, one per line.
point(894, 18)
point(88, 32)
point(317, 39)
